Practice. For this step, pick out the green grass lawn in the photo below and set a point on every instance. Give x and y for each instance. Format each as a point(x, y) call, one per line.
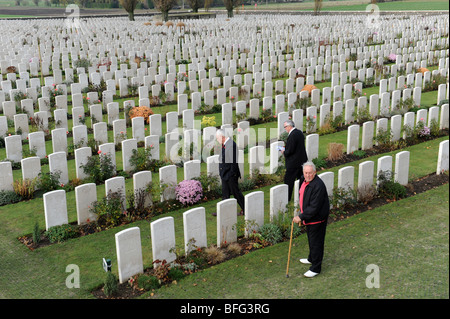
point(407, 240)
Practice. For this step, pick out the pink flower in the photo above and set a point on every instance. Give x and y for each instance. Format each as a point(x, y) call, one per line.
point(99, 152)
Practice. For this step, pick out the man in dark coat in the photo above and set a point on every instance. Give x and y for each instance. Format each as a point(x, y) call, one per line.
point(314, 211)
point(229, 169)
point(294, 154)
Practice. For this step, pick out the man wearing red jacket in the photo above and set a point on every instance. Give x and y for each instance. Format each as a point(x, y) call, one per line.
point(314, 211)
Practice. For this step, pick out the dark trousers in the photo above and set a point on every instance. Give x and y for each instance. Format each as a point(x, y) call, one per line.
point(292, 174)
point(231, 187)
point(316, 241)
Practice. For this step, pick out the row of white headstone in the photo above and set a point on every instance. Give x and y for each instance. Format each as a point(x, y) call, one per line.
point(257, 159)
point(379, 105)
point(128, 243)
point(226, 38)
point(152, 84)
point(8, 103)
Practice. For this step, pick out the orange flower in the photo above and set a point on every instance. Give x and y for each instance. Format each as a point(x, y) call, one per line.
point(309, 88)
point(141, 111)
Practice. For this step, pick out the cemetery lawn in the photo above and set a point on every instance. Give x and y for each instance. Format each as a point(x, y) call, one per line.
point(407, 240)
point(421, 251)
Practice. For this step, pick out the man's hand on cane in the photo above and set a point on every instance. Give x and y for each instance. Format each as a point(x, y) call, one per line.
point(297, 220)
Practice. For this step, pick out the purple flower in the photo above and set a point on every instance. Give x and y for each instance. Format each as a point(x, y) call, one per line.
point(189, 192)
point(392, 57)
point(424, 132)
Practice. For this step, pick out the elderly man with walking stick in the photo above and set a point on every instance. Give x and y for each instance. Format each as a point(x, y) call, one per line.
point(314, 211)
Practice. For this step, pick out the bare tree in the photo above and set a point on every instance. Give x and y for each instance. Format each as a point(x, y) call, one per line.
point(230, 5)
point(195, 4)
point(208, 4)
point(129, 6)
point(317, 6)
point(164, 6)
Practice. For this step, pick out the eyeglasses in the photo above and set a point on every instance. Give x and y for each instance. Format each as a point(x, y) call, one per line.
point(286, 126)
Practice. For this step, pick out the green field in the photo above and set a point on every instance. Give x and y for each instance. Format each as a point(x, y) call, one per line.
point(409, 245)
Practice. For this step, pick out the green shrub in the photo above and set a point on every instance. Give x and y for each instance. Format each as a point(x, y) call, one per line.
point(9, 197)
point(247, 184)
point(111, 284)
point(295, 233)
point(99, 168)
point(384, 139)
point(148, 282)
point(343, 200)
point(57, 234)
point(48, 181)
point(36, 234)
point(176, 273)
point(141, 160)
point(198, 257)
point(82, 63)
point(388, 188)
point(211, 186)
point(283, 137)
point(109, 210)
point(320, 163)
point(271, 233)
point(359, 153)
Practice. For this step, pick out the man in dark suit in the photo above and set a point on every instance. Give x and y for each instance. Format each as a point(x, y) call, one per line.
point(294, 154)
point(229, 169)
point(314, 211)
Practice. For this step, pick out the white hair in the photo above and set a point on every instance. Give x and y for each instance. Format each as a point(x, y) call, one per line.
point(310, 164)
point(220, 132)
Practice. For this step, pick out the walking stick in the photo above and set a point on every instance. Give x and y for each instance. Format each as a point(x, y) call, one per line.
point(289, 254)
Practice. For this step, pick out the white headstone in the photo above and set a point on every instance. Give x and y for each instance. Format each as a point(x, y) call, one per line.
point(55, 208)
point(163, 240)
point(129, 253)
